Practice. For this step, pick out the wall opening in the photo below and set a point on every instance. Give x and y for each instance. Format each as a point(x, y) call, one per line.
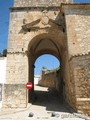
point(41, 45)
point(46, 79)
point(46, 71)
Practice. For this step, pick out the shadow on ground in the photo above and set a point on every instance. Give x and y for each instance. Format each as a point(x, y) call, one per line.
point(51, 100)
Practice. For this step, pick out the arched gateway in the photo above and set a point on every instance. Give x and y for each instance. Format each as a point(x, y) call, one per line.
point(40, 27)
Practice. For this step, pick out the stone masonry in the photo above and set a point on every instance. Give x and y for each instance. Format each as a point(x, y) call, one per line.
point(81, 75)
point(40, 27)
point(50, 78)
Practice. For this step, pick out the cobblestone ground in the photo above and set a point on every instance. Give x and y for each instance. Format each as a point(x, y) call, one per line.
point(46, 106)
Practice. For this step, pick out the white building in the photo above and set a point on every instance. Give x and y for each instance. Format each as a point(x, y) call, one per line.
point(2, 75)
point(36, 79)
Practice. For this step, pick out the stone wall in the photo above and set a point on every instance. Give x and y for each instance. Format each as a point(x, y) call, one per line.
point(14, 96)
point(0, 95)
point(26, 45)
point(17, 36)
point(17, 68)
point(77, 23)
point(19, 40)
point(29, 3)
point(20, 66)
point(66, 82)
point(49, 79)
point(81, 82)
point(77, 18)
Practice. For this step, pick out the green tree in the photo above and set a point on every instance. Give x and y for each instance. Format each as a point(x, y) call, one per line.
point(1, 55)
point(5, 52)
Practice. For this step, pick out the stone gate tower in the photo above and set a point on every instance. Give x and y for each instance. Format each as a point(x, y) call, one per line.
point(46, 26)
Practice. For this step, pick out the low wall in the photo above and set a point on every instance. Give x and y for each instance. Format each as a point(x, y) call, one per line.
point(3, 69)
point(3, 61)
point(36, 79)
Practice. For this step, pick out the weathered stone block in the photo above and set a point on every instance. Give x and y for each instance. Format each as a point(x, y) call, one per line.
point(14, 95)
point(25, 3)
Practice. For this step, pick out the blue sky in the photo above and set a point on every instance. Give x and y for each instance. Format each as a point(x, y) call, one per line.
point(4, 22)
point(49, 61)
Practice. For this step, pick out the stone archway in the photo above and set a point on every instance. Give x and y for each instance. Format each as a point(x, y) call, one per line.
point(45, 44)
point(48, 28)
point(44, 34)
